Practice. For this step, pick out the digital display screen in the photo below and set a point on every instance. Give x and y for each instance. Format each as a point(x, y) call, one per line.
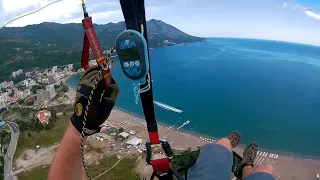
point(130, 54)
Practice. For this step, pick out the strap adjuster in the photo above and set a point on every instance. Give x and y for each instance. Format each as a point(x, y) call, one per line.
point(168, 153)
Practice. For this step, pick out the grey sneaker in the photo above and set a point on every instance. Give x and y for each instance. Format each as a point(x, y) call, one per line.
point(235, 138)
point(250, 153)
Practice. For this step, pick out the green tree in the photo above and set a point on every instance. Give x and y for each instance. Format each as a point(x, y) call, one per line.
point(56, 86)
point(64, 88)
point(20, 101)
point(49, 126)
point(30, 103)
point(53, 114)
point(53, 119)
point(185, 158)
point(35, 88)
point(38, 126)
point(120, 130)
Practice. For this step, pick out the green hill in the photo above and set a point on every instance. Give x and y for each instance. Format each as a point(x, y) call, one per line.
point(48, 44)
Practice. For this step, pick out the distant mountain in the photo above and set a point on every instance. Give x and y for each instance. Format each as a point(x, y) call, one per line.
point(47, 44)
point(69, 36)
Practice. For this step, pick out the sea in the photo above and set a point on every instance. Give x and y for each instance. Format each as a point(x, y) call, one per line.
point(268, 90)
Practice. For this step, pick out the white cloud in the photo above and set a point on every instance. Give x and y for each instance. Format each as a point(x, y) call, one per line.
point(152, 9)
point(101, 17)
point(103, 4)
point(65, 11)
point(57, 12)
point(285, 4)
point(10, 6)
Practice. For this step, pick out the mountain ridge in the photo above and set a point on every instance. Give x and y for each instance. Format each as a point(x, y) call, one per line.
point(68, 36)
point(47, 44)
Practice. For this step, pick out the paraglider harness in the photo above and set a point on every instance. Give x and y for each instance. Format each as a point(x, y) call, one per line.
point(135, 20)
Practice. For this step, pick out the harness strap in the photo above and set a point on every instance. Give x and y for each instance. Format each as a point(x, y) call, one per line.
point(134, 15)
point(91, 40)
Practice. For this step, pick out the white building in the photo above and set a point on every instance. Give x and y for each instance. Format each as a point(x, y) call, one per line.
point(6, 84)
point(22, 94)
point(134, 142)
point(3, 103)
point(28, 82)
point(17, 73)
point(51, 90)
point(92, 62)
point(132, 132)
point(54, 69)
point(124, 135)
point(70, 67)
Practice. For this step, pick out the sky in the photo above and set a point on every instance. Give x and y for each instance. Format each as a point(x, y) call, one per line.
point(283, 20)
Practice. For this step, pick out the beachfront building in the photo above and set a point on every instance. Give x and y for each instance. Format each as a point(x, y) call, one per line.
point(51, 90)
point(70, 67)
point(54, 69)
point(134, 142)
point(123, 135)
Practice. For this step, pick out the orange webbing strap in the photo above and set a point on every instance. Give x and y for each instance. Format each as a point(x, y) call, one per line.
point(91, 40)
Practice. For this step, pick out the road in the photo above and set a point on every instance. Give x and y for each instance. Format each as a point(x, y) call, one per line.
point(11, 150)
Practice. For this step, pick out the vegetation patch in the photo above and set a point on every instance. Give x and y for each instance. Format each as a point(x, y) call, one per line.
point(122, 171)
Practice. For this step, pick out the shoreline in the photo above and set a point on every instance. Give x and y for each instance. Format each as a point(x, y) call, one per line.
point(197, 134)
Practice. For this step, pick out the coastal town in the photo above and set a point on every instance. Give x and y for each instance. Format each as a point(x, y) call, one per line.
point(43, 98)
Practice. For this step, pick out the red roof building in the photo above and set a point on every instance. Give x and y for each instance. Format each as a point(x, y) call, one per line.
point(43, 116)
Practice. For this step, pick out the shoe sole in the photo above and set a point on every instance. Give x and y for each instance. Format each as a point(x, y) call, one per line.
point(237, 134)
point(254, 147)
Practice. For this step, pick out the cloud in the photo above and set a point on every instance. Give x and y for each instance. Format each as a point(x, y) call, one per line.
point(57, 12)
point(153, 9)
point(102, 4)
point(11, 6)
point(100, 17)
point(306, 11)
point(65, 11)
point(285, 4)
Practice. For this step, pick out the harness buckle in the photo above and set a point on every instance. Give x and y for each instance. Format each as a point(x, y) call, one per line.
point(151, 148)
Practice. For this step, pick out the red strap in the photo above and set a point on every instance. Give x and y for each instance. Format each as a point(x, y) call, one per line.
point(154, 137)
point(85, 53)
point(160, 164)
point(91, 40)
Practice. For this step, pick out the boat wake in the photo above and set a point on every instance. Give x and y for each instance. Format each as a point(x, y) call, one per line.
point(269, 128)
point(167, 107)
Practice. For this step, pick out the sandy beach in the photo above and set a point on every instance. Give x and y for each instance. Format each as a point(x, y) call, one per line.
point(71, 92)
point(286, 167)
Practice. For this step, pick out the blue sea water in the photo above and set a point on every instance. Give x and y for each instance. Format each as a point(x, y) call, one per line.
point(268, 90)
